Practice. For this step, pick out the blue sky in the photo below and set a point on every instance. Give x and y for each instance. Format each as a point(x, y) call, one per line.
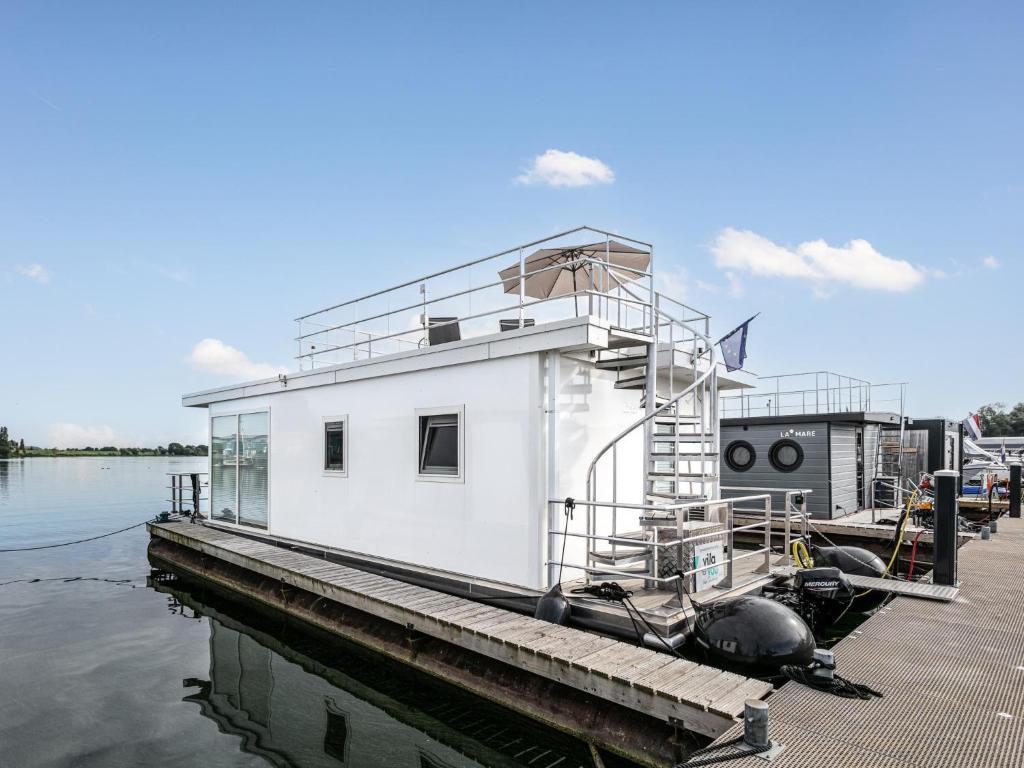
point(178, 172)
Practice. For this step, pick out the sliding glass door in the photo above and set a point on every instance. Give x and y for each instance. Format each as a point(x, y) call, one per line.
point(239, 468)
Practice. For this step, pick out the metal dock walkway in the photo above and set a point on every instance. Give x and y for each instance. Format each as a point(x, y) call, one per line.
point(952, 676)
point(699, 698)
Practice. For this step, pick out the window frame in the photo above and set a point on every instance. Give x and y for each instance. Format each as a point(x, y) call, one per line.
point(343, 419)
point(237, 414)
point(734, 465)
point(777, 446)
point(459, 412)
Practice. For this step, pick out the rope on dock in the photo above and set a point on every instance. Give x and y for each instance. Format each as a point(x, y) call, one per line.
point(77, 541)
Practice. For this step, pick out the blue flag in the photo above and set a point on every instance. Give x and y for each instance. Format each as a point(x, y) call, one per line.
point(734, 347)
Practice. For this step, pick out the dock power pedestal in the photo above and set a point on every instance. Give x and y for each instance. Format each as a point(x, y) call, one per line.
point(946, 528)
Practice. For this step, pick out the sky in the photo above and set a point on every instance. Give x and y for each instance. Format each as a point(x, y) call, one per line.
point(181, 180)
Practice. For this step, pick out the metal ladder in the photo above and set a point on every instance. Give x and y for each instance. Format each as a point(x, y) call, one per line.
point(681, 436)
point(889, 465)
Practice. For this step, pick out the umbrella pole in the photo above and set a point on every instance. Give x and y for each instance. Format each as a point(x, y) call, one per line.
point(575, 296)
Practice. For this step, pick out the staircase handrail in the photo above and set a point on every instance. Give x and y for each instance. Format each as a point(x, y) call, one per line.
point(709, 351)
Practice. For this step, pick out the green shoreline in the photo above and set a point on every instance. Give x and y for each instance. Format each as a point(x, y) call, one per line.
point(47, 453)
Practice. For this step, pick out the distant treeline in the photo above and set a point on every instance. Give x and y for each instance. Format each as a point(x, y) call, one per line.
point(11, 448)
point(997, 421)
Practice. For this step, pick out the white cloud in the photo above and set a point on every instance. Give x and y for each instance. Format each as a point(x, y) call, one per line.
point(67, 435)
point(36, 272)
point(214, 356)
point(991, 262)
point(673, 282)
point(566, 169)
point(735, 286)
point(825, 266)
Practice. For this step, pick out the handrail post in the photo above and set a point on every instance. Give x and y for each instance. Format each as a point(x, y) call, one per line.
point(767, 533)
point(787, 538)
point(729, 562)
point(615, 495)
point(424, 320)
point(522, 285)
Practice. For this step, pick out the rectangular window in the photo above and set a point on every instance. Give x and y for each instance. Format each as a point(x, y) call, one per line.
point(240, 468)
point(439, 444)
point(335, 456)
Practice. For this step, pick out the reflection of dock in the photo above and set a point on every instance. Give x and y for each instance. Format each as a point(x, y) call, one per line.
point(659, 687)
point(427, 713)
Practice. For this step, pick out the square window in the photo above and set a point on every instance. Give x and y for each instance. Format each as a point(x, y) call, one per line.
point(439, 444)
point(335, 453)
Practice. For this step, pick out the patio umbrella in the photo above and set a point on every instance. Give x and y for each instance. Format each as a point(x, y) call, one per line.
point(575, 272)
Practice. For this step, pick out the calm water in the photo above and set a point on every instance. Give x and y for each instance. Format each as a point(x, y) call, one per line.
point(103, 664)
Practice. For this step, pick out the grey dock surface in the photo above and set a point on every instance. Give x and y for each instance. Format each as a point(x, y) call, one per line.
point(952, 676)
point(699, 698)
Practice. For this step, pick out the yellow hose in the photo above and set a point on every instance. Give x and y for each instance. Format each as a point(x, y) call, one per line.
point(801, 555)
point(899, 540)
point(903, 528)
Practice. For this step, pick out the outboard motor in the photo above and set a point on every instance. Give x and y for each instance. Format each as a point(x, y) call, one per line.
point(753, 636)
point(824, 596)
point(857, 561)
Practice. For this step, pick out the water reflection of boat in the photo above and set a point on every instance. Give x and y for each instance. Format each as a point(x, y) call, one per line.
point(319, 703)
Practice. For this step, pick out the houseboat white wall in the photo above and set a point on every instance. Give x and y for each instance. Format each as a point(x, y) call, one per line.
point(491, 520)
point(591, 411)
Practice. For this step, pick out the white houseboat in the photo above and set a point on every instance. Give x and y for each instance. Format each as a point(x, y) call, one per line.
point(434, 430)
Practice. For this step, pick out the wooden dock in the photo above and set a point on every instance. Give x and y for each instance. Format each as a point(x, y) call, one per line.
point(951, 675)
point(698, 698)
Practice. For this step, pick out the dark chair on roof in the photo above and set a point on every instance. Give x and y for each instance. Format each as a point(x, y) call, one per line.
point(443, 330)
point(513, 325)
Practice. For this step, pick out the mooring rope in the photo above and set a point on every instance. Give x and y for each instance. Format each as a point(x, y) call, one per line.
point(77, 541)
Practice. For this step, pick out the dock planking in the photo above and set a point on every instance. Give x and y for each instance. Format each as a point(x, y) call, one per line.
point(951, 676)
point(703, 699)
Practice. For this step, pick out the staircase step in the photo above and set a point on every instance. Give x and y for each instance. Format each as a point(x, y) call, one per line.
point(684, 437)
point(620, 573)
point(681, 475)
point(682, 458)
point(622, 337)
point(633, 382)
point(667, 497)
point(638, 535)
point(620, 557)
point(683, 419)
point(622, 363)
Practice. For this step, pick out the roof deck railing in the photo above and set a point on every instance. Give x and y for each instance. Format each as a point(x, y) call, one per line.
point(813, 392)
point(475, 299)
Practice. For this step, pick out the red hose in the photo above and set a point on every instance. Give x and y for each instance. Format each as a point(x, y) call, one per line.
point(913, 554)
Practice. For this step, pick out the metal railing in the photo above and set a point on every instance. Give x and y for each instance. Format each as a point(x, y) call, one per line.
point(794, 508)
point(812, 392)
point(653, 515)
point(400, 318)
point(189, 493)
